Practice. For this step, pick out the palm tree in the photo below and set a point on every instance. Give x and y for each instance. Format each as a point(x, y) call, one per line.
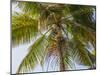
point(65, 32)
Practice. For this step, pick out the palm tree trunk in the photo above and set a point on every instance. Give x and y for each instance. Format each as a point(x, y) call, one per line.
point(62, 65)
point(60, 49)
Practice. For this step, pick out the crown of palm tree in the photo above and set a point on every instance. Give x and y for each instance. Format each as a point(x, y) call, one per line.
point(65, 33)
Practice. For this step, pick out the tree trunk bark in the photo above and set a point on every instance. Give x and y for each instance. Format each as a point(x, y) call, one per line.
point(60, 49)
point(62, 65)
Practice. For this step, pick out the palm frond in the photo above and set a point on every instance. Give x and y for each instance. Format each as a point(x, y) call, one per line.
point(23, 28)
point(81, 36)
point(68, 60)
point(86, 17)
point(30, 7)
point(92, 57)
point(80, 54)
point(35, 54)
point(81, 32)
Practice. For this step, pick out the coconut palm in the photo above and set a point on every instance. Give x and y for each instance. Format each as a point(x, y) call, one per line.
point(65, 33)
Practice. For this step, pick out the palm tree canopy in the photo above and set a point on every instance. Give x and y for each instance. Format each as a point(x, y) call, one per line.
point(74, 23)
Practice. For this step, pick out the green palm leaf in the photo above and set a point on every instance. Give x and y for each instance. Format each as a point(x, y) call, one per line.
point(92, 57)
point(83, 33)
point(23, 28)
point(80, 54)
point(35, 54)
point(85, 18)
point(68, 59)
point(31, 8)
